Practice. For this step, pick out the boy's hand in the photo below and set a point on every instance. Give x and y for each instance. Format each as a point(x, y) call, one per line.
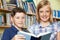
point(18, 37)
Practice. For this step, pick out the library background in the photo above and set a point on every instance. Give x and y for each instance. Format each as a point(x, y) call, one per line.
point(29, 6)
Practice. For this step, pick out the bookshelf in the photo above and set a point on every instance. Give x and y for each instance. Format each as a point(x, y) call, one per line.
point(6, 26)
point(4, 10)
point(31, 14)
point(24, 4)
point(28, 6)
point(57, 18)
point(56, 15)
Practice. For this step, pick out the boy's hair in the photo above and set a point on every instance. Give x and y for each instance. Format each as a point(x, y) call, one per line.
point(17, 9)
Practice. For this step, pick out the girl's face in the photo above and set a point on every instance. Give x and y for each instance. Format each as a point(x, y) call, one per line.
point(19, 19)
point(44, 13)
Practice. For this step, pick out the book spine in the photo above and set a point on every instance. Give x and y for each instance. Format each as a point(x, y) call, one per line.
point(25, 6)
point(58, 13)
point(29, 8)
point(32, 7)
point(19, 3)
point(11, 6)
point(8, 19)
point(28, 20)
point(34, 19)
point(26, 23)
point(1, 4)
point(4, 4)
point(1, 20)
point(54, 13)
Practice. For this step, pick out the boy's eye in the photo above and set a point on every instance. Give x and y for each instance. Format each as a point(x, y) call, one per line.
point(23, 17)
point(17, 17)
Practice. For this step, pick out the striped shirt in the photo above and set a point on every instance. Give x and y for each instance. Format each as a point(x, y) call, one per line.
point(52, 28)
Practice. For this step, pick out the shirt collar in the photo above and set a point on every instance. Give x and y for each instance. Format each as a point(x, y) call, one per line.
point(13, 28)
point(40, 26)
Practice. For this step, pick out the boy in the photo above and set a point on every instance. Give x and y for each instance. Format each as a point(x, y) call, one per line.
point(18, 20)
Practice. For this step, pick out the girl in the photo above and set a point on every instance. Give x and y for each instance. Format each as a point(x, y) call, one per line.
point(45, 22)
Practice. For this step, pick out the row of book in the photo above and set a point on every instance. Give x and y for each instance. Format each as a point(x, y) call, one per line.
point(5, 4)
point(56, 13)
point(5, 19)
point(30, 20)
point(28, 6)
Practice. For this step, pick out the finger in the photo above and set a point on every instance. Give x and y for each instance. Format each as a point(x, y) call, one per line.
point(21, 36)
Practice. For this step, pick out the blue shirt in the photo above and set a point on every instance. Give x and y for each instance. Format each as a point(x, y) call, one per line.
point(9, 33)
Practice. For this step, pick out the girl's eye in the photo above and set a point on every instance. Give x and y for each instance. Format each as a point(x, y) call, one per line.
point(40, 11)
point(47, 11)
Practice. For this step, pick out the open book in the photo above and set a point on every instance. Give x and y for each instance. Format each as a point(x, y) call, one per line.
point(28, 35)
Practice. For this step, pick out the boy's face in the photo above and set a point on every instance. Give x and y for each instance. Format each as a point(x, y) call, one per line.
point(19, 19)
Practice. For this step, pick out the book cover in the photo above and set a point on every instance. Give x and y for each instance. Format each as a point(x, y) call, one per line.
point(28, 35)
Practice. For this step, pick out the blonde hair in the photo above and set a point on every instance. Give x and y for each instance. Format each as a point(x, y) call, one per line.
point(39, 6)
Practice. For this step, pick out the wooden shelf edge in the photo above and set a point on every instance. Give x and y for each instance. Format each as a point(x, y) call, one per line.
point(25, 27)
point(4, 10)
point(31, 14)
point(4, 26)
point(8, 26)
point(56, 18)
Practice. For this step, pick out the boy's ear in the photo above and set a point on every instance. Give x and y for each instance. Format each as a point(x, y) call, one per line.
point(11, 19)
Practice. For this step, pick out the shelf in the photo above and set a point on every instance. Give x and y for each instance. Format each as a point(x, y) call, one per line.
point(31, 14)
point(57, 18)
point(4, 10)
point(24, 27)
point(8, 26)
point(4, 26)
